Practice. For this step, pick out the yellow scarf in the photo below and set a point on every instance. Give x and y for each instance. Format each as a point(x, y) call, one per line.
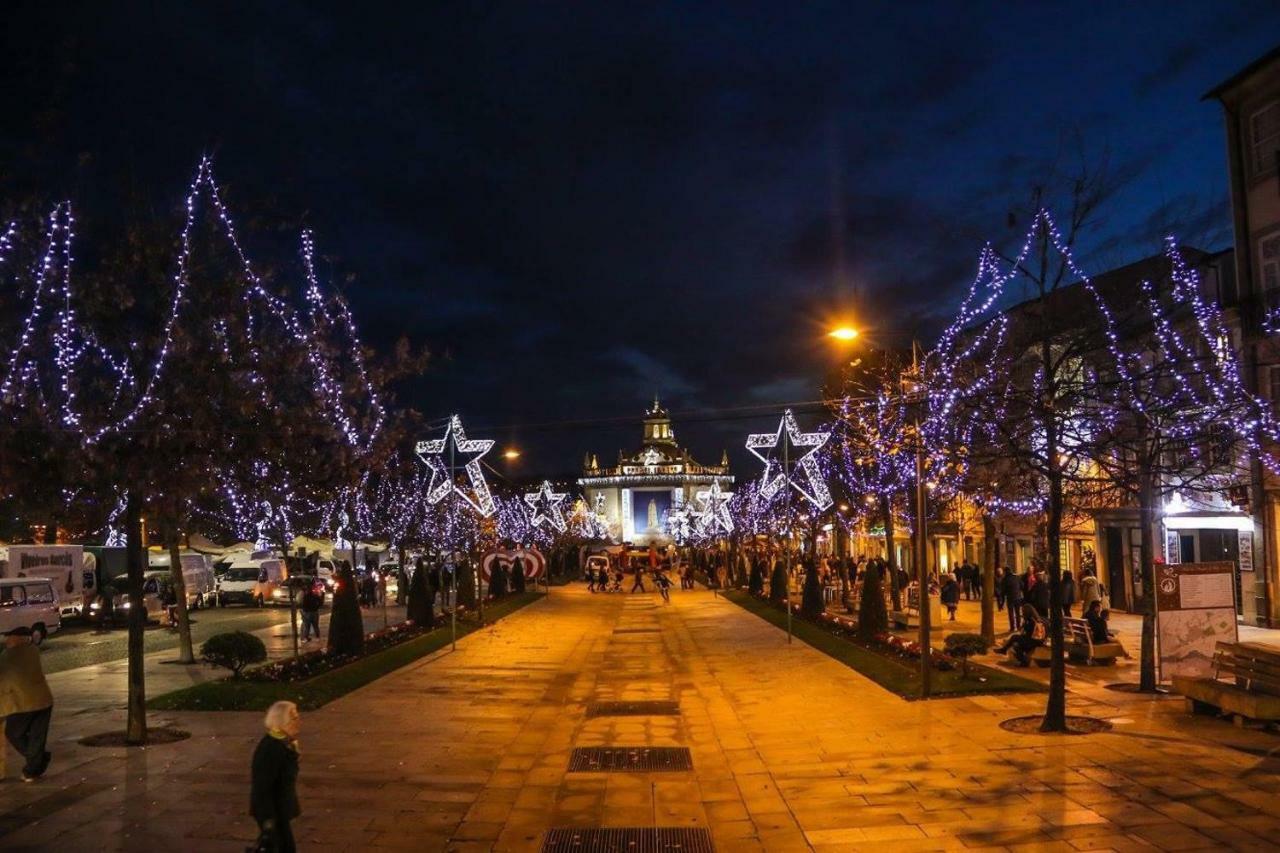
point(291, 742)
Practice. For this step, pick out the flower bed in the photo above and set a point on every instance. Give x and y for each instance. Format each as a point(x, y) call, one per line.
point(311, 664)
point(889, 645)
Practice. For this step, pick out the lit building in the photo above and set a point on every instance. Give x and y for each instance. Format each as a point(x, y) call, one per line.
point(641, 490)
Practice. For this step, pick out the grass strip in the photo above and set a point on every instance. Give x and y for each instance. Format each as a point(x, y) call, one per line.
point(893, 674)
point(230, 695)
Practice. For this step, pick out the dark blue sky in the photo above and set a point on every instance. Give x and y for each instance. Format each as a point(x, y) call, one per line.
point(578, 205)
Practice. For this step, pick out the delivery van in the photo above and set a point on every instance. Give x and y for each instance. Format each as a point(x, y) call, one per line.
point(252, 582)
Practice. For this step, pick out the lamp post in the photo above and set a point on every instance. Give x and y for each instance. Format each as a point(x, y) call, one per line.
point(913, 393)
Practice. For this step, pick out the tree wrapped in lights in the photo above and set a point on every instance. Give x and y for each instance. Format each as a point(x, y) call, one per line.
point(1016, 388)
point(1174, 415)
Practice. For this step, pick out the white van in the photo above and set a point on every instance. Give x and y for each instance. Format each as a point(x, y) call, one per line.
point(30, 603)
point(197, 577)
point(67, 566)
point(327, 571)
point(252, 582)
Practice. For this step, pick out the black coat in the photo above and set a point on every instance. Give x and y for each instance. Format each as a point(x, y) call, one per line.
point(1039, 597)
point(274, 793)
point(1011, 586)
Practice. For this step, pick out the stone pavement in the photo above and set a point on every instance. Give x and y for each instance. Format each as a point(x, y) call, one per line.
point(791, 751)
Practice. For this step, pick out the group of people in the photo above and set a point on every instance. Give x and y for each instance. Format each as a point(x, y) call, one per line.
point(1026, 599)
point(608, 576)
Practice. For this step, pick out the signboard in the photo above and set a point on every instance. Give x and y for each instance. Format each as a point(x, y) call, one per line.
point(1195, 609)
point(1172, 546)
point(534, 563)
point(1246, 550)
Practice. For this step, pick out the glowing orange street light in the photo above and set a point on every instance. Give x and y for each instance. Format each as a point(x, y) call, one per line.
point(843, 333)
point(511, 453)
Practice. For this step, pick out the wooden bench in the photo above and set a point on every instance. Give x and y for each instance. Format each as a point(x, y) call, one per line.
point(1080, 646)
point(1253, 693)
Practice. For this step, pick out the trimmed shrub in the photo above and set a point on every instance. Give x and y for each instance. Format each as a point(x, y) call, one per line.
point(778, 582)
point(811, 603)
point(964, 646)
point(346, 625)
point(233, 650)
point(421, 600)
point(755, 581)
point(873, 619)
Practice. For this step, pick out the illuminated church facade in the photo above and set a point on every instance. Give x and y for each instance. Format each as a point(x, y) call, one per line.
point(637, 495)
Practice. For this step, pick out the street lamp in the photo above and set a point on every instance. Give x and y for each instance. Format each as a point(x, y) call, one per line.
point(843, 333)
point(510, 454)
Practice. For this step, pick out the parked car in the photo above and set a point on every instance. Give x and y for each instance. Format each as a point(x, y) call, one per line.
point(299, 583)
point(30, 603)
point(252, 582)
point(122, 603)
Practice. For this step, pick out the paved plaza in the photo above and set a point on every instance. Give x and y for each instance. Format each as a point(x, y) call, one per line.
point(469, 750)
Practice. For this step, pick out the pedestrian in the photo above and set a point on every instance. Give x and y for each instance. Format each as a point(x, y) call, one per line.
point(950, 595)
point(25, 702)
point(1068, 593)
point(1097, 619)
point(273, 798)
point(1012, 597)
point(1031, 635)
point(312, 601)
point(1090, 589)
point(639, 581)
point(591, 578)
point(402, 585)
point(999, 584)
point(663, 583)
point(1038, 594)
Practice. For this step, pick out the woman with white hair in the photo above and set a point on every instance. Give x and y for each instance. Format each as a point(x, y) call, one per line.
point(273, 800)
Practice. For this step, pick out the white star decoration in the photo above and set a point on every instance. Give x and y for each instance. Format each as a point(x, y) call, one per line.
point(546, 506)
point(712, 513)
point(814, 486)
point(679, 525)
point(433, 453)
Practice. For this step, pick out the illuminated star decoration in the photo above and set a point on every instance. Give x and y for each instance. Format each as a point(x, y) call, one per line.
point(679, 524)
point(712, 513)
point(811, 483)
point(546, 506)
point(433, 453)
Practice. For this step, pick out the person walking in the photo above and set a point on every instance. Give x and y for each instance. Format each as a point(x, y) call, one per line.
point(1068, 593)
point(639, 581)
point(312, 601)
point(26, 702)
point(999, 584)
point(663, 583)
point(950, 595)
point(1090, 589)
point(273, 797)
point(1012, 597)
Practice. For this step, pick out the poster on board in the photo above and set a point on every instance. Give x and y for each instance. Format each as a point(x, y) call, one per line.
point(1195, 610)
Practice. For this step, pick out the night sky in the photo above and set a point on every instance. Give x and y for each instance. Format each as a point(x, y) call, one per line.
point(575, 206)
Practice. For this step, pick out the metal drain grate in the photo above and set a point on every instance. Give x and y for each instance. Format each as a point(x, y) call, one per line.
point(629, 759)
point(633, 709)
point(657, 839)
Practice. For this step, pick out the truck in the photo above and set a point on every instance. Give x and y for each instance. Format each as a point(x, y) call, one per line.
point(68, 566)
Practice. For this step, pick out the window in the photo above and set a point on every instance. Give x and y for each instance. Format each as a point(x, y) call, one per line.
point(1264, 139)
point(1269, 270)
point(12, 596)
point(42, 594)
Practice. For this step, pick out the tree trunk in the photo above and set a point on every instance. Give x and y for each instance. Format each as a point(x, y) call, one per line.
point(186, 654)
point(895, 594)
point(1146, 515)
point(1055, 715)
point(989, 552)
point(136, 726)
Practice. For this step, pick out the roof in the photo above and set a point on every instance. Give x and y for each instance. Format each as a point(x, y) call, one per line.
point(1248, 71)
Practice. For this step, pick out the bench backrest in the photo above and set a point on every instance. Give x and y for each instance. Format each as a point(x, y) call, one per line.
point(1253, 668)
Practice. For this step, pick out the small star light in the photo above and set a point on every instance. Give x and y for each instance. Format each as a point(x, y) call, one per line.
point(814, 487)
point(434, 453)
point(546, 506)
point(713, 510)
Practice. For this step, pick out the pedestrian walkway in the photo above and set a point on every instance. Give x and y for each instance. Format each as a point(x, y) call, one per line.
point(469, 750)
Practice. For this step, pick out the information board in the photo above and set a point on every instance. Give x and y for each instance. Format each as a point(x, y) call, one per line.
point(1195, 610)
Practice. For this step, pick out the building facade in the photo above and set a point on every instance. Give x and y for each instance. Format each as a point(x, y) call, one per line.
point(637, 495)
point(1251, 109)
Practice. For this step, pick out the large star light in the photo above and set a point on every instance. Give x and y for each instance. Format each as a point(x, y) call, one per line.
point(713, 511)
point(804, 475)
point(679, 524)
point(546, 506)
point(465, 452)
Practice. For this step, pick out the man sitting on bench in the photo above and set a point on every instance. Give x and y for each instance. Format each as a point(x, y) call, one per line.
point(1097, 619)
point(1026, 639)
